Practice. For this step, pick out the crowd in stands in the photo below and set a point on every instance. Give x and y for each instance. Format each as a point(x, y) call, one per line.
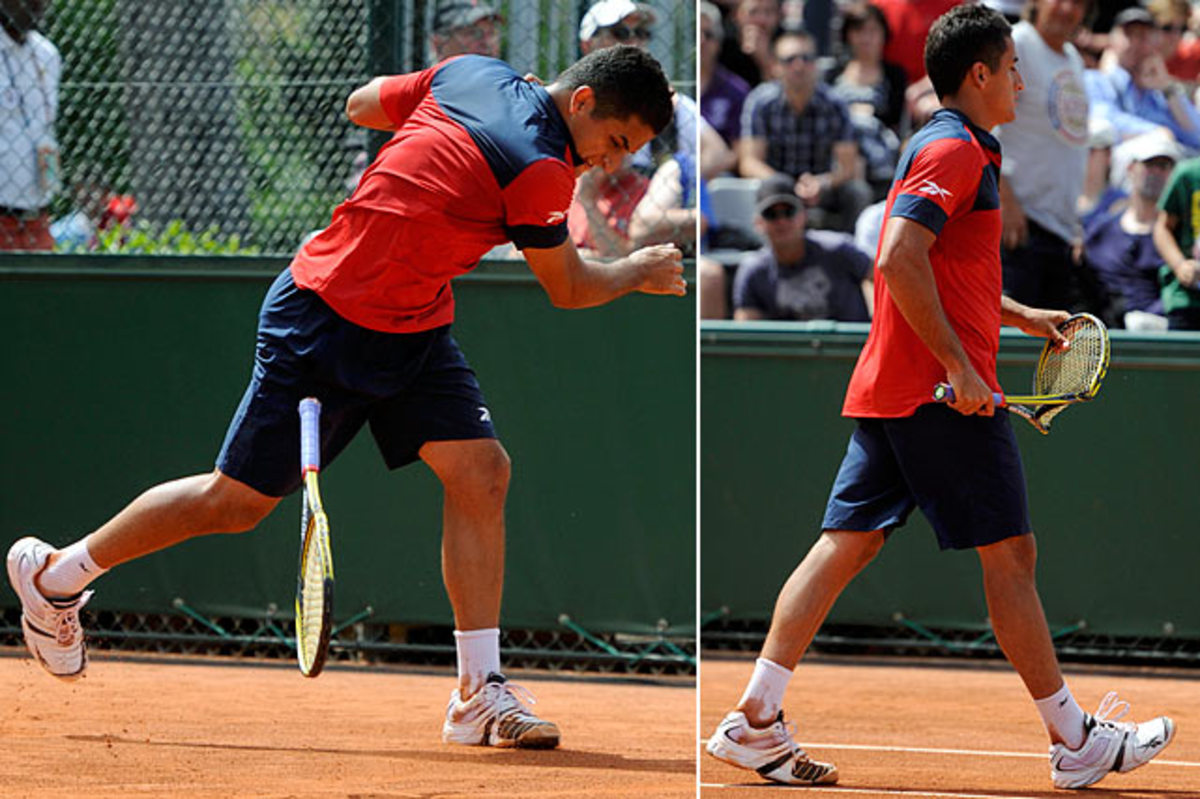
point(1100, 172)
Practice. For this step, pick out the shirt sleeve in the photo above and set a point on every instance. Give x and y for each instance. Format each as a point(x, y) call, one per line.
point(400, 94)
point(942, 180)
point(747, 288)
point(857, 262)
point(537, 203)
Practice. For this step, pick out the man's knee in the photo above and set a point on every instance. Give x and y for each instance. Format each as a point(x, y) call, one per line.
point(479, 468)
point(229, 506)
point(857, 548)
point(1012, 557)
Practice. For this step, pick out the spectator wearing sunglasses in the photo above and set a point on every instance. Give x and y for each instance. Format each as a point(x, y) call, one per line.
point(465, 26)
point(612, 23)
point(800, 274)
point(1178, 45)
point(795, 125)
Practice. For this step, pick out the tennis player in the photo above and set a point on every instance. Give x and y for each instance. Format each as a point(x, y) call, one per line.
point(361, 319)
point(938, 315)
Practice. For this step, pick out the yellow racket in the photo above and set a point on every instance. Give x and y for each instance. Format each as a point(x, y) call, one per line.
point(314, 587)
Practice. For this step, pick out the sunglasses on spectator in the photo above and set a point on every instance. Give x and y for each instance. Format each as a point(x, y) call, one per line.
point(623, 33)
point(781, 211)
point(1177, 28)
point(709, 36)
point(807, 58)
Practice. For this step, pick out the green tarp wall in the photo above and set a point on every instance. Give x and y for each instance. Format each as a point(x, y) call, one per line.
point(1114, 490)
point(119, 373)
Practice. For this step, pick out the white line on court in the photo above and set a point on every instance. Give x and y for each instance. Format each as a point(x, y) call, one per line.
point(922, 750)
point(889, 792)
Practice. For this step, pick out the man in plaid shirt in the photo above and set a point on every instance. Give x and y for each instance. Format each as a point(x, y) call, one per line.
point(795, 126)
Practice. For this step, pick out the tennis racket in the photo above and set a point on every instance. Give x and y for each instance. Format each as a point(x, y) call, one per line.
point(1063, 377)
point(314, 587)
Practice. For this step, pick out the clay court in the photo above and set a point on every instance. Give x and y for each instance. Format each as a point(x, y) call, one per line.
point(938, 732)
point(222, 728)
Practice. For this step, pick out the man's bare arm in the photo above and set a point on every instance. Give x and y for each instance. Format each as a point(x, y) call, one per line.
point(572, 282)
point(364, 109)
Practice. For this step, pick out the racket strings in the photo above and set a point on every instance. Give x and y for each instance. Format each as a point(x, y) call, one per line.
point(1076, 369)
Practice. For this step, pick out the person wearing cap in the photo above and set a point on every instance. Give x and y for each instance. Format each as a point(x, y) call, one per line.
point(465, 26)
point(1045, 158)
point(799, 274)
point(937, 318)
point(1119, 250)
point(722, 92)
point(794, 125)
point(1133, 90)
point(1177, 238)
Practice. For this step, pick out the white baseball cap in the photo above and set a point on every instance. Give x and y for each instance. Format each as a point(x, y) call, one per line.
point(609, 12)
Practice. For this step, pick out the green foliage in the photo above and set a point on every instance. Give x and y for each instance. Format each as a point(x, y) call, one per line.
point(174, 239)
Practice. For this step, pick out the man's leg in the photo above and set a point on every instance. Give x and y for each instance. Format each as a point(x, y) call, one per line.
point(802, 606)
point(51, 583)
point(1084, 749)
point(474, 475)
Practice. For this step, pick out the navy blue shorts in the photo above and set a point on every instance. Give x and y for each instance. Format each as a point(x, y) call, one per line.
point(411, 388)
point(963, 472)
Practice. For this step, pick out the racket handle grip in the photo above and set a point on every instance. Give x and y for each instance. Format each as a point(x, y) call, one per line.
point(944, 392)
point(310, 435)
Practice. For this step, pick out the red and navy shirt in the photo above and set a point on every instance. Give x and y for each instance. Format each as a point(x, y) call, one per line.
point(948, 181)
point(480, 157)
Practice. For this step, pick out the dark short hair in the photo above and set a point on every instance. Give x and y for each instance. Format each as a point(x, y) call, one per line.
point(963, 36)
point(790, 31)
point(627, 81)
point(858, 15)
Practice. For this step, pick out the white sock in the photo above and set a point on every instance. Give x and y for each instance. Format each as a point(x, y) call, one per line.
point(1063, 717)
point(71, 571)
point(767, 686)
point(478, 656)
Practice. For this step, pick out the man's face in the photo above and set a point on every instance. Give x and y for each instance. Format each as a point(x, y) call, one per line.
point(24, 15)
point(781, 223)
point(633, 29)
point(796, 62)
point(481, 38)
point(603, 141)
point(1149, 178)
point(1001, 90)
point(1134, 43)
point(710, 42)
point(763, 14)
point(1060, 18)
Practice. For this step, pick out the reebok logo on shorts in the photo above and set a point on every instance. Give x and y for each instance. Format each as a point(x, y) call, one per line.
point(484, 414)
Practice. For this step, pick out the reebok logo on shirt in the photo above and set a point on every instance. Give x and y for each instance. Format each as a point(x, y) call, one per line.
point(929, 187)
point(556, 217)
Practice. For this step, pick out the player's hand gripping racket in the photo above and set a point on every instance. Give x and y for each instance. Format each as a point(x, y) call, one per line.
point(314, 588)
point(1064, 376)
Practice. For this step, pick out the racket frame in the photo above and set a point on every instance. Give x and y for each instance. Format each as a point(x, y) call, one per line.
point(314, 542)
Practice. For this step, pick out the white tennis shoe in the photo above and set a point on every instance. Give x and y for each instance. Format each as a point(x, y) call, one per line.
point(769, 751)
point(50, 626)
point(1111, 745)
point(495, 716)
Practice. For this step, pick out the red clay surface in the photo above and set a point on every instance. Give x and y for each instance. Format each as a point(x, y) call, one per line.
point(203, 728)
point(874, 721)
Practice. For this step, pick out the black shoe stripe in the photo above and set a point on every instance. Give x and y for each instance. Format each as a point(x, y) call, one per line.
point(774, 764)
point(1121, 753)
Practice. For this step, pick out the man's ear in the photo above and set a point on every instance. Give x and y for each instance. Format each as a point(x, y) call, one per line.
point(583, 100)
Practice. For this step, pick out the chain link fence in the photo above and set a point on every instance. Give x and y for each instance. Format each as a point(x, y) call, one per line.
point(218, 126)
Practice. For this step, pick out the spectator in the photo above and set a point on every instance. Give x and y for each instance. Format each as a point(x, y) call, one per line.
point(795, 126)
point(714, 289)
point(29, 164)
point(465, 26)
point(601, 210)
point(612, 22)
point(1132, 89)
point(97, 209)
point(1180, 50)
point(1119, 249)
point(800, 274)
point(909, 22)
point(1176, 233)
point(722, 93)
point(1045, 158)
point(716, 157)
point(747, 52)
point(667, 211)
point(865, 77)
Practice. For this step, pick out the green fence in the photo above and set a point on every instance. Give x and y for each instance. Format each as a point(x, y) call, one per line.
point(1113, 490)
point(119, 373)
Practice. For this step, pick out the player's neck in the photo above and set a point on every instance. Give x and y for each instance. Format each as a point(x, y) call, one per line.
point(973, 108)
